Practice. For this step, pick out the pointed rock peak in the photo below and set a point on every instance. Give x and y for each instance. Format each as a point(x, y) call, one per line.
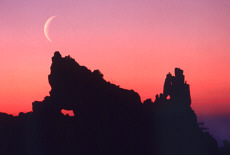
point(57, 56)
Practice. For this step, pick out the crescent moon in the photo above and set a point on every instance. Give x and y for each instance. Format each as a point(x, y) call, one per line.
point(46, 28)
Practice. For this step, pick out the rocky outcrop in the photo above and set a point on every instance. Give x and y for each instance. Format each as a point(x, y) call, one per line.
point(76, 88)
point(174, 122)
point(108, 119)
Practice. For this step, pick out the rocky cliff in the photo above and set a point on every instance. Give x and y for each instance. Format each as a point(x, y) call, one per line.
point(107, 119)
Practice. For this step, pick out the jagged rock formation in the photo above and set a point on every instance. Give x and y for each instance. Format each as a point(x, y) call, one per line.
point(177, 88)
point(108, 119)
point(76, 88)
point(172, 116)
point(108, 109)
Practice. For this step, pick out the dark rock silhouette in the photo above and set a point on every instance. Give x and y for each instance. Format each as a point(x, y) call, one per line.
point(225, 150)
point(107, 119)
point(174, 123)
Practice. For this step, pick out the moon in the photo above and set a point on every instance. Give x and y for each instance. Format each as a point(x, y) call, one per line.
point(46, 28)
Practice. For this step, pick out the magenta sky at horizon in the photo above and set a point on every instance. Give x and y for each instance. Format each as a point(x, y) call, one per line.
point(134, 44)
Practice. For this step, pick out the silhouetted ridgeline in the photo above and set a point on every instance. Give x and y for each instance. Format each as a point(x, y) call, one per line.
point(108, 119)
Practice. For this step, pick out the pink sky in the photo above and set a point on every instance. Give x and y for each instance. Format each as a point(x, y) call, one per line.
point(133, 43)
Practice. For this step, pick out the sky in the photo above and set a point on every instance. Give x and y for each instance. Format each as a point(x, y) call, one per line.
point(134, 43)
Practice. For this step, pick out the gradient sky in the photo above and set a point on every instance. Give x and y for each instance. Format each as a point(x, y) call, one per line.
point(134, 43)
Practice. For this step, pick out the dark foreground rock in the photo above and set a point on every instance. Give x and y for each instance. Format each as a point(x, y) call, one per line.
point(107, 119)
